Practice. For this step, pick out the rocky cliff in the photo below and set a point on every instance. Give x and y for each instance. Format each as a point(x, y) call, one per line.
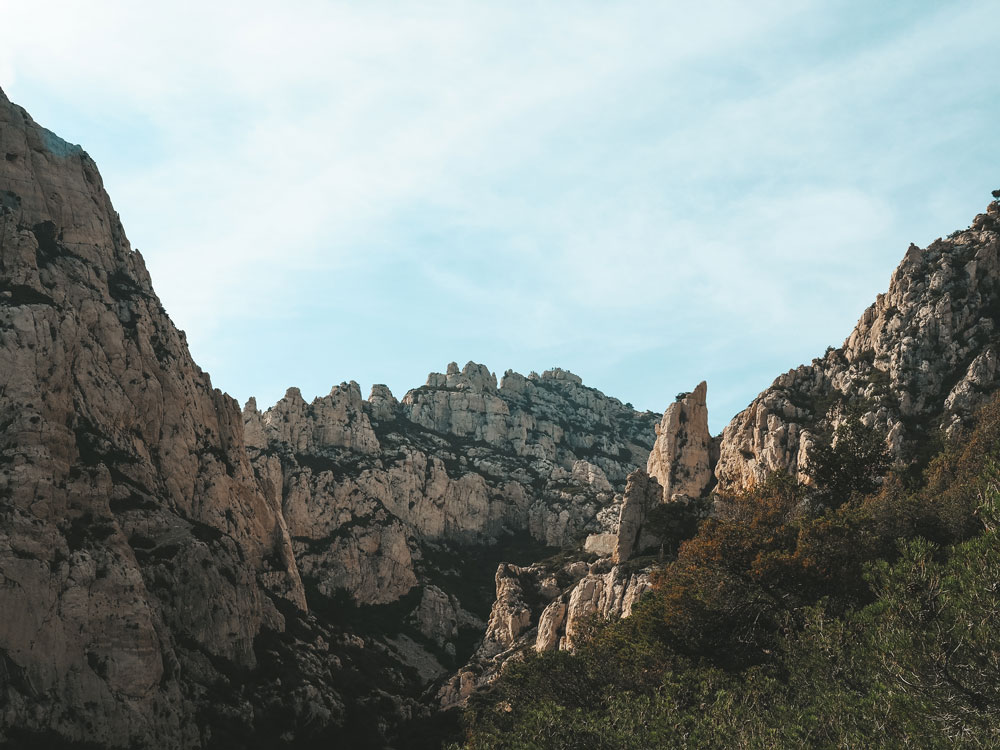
point(920, 359)
point(150, 593)
point(408, 506)
point(365, 485)
point(542, 607)
point(133, 533)
point(683, 454)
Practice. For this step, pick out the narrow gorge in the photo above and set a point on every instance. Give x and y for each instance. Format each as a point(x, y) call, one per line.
point(176, 572)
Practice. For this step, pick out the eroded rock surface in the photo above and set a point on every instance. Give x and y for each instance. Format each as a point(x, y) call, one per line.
point(642, 494)
point(363, 485)
point(176, 574)
point(922, 357)
point(149, 585)
point(681, 459)
point(541, 608)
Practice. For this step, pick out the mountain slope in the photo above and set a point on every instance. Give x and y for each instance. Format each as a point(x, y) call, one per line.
point(782, 624)
point(921, 358)
point(178, 574)
point(150, 591)
point(128, 501)
point(920, 362)
point(808, 614)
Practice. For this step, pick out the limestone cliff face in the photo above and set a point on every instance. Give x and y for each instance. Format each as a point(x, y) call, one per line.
point(147, 579)
point(155, 541)
point(923, 356)
point(441, 617)
point(543, 607)
point(132, 521)
point(364, 485)
point(173, 571)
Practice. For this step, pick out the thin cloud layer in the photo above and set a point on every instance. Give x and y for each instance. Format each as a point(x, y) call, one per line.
point(646, 195)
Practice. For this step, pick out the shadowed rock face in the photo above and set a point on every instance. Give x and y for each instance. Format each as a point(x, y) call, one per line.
point(642, 494)
point(139, 559)
point(922, 357)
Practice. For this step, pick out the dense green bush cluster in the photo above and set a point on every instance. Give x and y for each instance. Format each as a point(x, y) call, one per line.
point(870, 618)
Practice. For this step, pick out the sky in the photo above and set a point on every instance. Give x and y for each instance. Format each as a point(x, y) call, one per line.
point(649, 194)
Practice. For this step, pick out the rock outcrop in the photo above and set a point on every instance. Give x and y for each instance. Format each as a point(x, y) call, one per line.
point(922, 357)
point(134, 536)
point(681, 459)
point(510, 615)
point(364, 485)
point(609, 595)
point(642, 494)
point(441, 617)
point(542, 608)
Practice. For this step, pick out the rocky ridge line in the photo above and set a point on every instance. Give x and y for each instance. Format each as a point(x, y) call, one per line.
point(920, 359)
point(363, 484)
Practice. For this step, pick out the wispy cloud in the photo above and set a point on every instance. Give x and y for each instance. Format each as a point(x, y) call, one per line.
point(647, 192)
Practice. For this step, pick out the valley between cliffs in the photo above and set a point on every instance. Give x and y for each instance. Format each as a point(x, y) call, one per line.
point(178, 572)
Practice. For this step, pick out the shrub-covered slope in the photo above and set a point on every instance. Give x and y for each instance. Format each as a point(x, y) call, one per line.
point(794, 618)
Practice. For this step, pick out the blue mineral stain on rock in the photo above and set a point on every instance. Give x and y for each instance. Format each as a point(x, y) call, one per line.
point(57, 145)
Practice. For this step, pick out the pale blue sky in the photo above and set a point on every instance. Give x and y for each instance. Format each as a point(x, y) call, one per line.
point(644, 193)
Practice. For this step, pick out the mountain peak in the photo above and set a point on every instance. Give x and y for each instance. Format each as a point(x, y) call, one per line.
point(922, 357)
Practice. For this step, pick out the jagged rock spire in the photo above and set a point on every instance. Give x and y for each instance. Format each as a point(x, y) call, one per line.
point(681, 457)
